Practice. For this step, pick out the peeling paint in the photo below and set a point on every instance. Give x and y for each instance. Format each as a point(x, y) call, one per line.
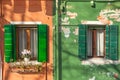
point(76, 31)
point(65, 20)
point(72, 15)
point(69, 7)
point(111, 14)
point(66, 32)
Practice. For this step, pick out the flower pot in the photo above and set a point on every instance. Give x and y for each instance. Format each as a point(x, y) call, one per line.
point(26, 59)
point(115, 75)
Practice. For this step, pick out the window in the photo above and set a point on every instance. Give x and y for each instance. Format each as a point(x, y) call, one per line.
point(17, 38)
point(110, 39)
point(95, 41)
point(26, 38)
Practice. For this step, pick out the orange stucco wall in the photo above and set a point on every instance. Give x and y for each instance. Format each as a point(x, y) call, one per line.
point(26, 10)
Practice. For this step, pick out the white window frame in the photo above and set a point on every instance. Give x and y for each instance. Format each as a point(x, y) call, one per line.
point(25, 22)
point(92, 23)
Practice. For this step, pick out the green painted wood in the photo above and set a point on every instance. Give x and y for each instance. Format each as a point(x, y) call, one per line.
point(107, 42)
point(42, 42)
point(14, 42)
point(112, 42)
point(9, 43)
point(82, 42)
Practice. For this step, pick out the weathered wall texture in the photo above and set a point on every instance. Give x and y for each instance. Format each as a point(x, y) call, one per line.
point(76, 13)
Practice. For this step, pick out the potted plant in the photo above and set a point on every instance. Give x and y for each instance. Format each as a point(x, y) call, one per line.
point(26, 55)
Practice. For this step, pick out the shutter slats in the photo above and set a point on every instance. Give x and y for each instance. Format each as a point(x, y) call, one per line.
point(9, 43)
point(112, 42)
point(82, 42)
point(107, 42)
point(14, 42)
point(42, 43)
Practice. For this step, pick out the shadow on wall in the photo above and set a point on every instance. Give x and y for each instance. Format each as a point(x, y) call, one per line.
point(49, 8)
point(35, 5)
point(21, 7)
point(2, 23)
point(8, 2)
point(7, 73)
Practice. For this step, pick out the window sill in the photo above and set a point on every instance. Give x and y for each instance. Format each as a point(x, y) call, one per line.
point(26, 67)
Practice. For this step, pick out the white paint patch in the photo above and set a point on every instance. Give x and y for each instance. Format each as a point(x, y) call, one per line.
point(72, 15)
point(92, 22)
point(98, 61)
point(69, 7)
point(93, 78)
point(25, 22)
point(113, 14)
point(76, 31)
point(66, 32)
point(75, 40)
point(65, 20)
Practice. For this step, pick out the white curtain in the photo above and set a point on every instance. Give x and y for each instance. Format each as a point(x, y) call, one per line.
point(22, 40)
point(89, 42)
point(34, 42)
point(100, 42)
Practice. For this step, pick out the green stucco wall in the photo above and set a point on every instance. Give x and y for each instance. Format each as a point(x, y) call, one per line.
point(70, 65)
point(82, 11)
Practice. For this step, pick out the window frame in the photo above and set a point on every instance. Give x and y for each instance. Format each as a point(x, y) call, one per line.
point(27, 27)
point(10, 42)
point(109, 31)
point(96, 27)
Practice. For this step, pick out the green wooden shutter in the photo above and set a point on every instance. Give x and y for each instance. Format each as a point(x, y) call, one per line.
point(112, 42)
point(42, 42)
point(14, 42)
point(9, 43)
point(82, 42)
point(107, 42)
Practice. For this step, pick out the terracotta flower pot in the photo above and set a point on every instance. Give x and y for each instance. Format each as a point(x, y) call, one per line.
point(115, 75)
